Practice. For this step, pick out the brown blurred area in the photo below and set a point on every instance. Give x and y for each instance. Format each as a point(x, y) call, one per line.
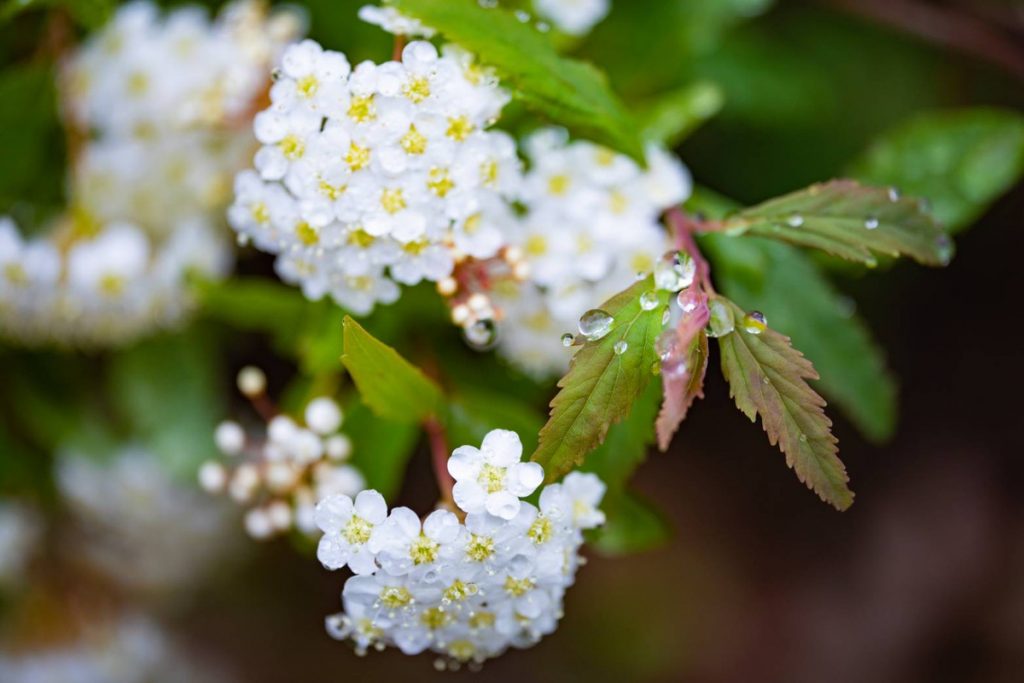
point(921, 580)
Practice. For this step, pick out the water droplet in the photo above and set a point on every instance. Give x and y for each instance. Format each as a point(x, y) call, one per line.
point(242, 240)
point(721, 321)
point(487, 4)
point(276, 74)
point(765, 380)
point(337, 626)
point(665, 317)
point(688, 300)
point(666, 344)
point(871, 222)
point(567, 339)
point(795, 220)
point(639, 275)
point(595, 324)
point(649, 300)
point(755, 322)
point(522, 15)
point(481, 335)
point(674, 368)
point(543, 26)
point(674, 271)
point(894, 194)
point(620, 347)
point(803, 438)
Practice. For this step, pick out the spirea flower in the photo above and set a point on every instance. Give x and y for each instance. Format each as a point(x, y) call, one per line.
point(393, 21)
point(608, 211)
point(491, 478)
point(376, 176)
point(464, 590)
point(282, 474)
point(131, 519)
point(160, 105)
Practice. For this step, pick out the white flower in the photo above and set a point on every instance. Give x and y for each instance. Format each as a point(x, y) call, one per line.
point(492, 478)
point(349, 530)
point(407, 547)
point(575, 17)
point(393, 21)
point(575, 499)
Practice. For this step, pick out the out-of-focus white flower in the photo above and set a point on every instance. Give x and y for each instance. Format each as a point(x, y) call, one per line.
point(131, 519)
point(575, 17)
point(284, 473)
point(465, 591)
point(393, 21)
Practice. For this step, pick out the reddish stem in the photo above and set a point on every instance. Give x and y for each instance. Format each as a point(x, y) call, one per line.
point(396, 53)
point(683, 229)
point(439, 456)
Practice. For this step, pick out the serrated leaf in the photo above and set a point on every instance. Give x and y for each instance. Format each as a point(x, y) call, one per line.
point(768, 378)
point(849, 220)
point(673, 116)
point(569, 91)
point(681, 390)
point(601, 385)
point(800, 301)
point(390, 386)
point(960, 161)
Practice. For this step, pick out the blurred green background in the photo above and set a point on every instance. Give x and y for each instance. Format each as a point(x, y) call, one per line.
point(922, 580)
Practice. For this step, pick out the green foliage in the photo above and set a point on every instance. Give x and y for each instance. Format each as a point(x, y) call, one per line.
point(390, 386)
point(88, 13)
point(848, 220)
point(670, 118)
point(168, 391)
point(568, 91)
point(381, 447)
point(32, 170)
point(768, 377)
point(601, 385)
point(960, 161)
point(472, 412)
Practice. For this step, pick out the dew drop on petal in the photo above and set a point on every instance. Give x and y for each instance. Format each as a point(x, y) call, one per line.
point(620, 347)
point(595, 323)
point(649, 300)
point(755, 322)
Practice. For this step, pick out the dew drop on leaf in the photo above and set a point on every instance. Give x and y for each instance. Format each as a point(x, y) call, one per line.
point(649, 300)
point(795, 220)
point(755, 322)
point(894, 194)
point(871, 223)
point(595, 324)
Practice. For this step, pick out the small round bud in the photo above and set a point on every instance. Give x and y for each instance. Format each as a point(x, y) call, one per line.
point(521, 271)
point(478, 302)
point(306, 446)
point(280, 476)
point(251, 381)
point(258, 524)
point(279, 513)
point(229, 437)
point(447, 286)
point(460, 314)
point(212, 476)
point(323, 415)
point(281, 430)
point(244, 482)
point(513, 254)
point(338, 447)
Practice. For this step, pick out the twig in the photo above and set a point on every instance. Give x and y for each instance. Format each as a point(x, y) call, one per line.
point(396, 52)
point(439, 457)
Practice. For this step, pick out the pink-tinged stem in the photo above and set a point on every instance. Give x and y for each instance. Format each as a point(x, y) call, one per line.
point(683, 228)
point(439, 456)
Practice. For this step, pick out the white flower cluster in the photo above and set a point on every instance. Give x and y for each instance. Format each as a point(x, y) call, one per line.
point(130, 649)
point(20, 531)
point(575, 17)
point(393, 21)
point(131, 519)
point(286, 473)
point(465, 590)
point(607, 211)
point(377, 175)
point(157, 110)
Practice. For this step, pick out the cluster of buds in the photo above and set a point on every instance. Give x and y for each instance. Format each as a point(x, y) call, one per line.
point(283, 473)
point(468, 293)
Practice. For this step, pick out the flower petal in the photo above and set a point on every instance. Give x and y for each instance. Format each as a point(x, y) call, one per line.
point(502, 447)
point(523, 478)
point(332, 513)
point(502, 504)
point(465, 463)
point(469, 496)
point(332, 552)
point(371, 506)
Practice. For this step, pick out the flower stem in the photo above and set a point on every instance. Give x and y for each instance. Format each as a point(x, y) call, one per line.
point(396, 52)
point(438, 440)
point(683, 229)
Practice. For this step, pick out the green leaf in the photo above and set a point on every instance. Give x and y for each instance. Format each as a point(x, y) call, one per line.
point(168, 390)
point(381, 448)
point(390, 386)
point(473, 412)
point(674, 115)
point(633, 526)
point(88, 13)
point(960, 161)
point(800, 302)
point(32, 171)
point(570, 92)
point(255, 304)
point(768, 377)
point(849, 220)
point(601, 386)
